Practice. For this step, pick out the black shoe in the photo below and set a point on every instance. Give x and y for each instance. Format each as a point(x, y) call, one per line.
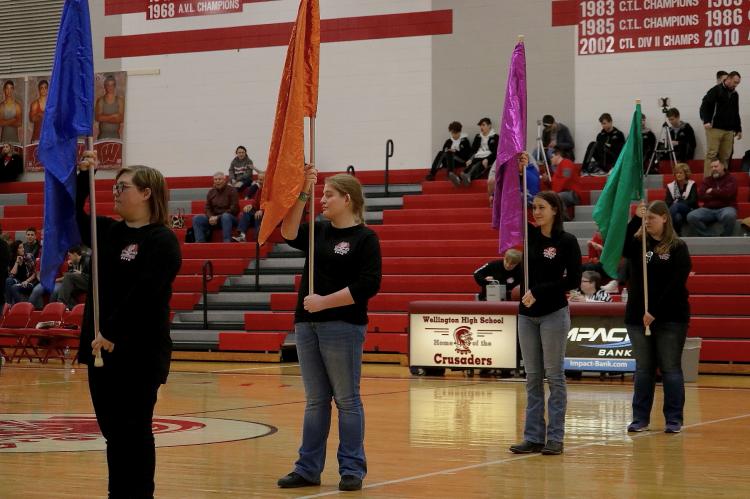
point(350, 482)
point(553, 448)
point(454, 178)
point(430, 177)
point(294, 480)
point(526, 447)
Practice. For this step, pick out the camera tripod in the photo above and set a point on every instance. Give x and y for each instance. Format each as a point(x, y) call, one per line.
point(663, 146)
point(541, 150)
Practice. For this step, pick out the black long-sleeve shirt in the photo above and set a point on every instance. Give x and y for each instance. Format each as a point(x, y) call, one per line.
point(136, 269)
point(667, 279)
point(496, 269)
point(685, 136)
point(608, 147)
point(344, 258)
point(554, 269)
point(721, 108)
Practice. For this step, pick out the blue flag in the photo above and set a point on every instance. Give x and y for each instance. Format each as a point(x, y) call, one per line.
point(68, 115)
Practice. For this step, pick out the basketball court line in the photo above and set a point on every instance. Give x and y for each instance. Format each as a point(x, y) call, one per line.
point(514, 459)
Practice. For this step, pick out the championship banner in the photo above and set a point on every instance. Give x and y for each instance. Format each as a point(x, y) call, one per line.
point(468, 341)
point(170, 9)
point(11, 113)
point(109, 118)
point(599, 343)
point(38, 88)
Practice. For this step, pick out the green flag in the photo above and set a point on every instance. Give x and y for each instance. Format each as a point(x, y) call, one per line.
point(625, 184)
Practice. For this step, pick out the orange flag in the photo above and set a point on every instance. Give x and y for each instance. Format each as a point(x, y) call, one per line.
point(298, 97)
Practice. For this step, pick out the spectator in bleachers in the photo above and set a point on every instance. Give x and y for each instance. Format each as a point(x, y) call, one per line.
point(556, 135)
point(222, 208)
point(241, 173)
point(456, 150)
point(554, 262)
point(718, 196)
point(681, 195)
point(11, 164)
point(649, 146)
point(566, 181)
point(720, 112)
point(76, 279)
point(721, 75)
point(251, 215)
point(682, 136)
point(595, 248)
point(4, 265)
point(533, 183)
point(601, 155)
point(483, 154)
point(591, 289)
point(22, 275)
point(32, 244)
point(668, 313)
point(508, 271)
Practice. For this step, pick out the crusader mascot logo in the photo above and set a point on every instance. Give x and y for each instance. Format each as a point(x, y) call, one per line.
point(462, 335)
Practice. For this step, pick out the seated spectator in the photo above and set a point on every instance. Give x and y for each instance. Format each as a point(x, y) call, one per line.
point(4, 265)
point(649, 146)
point(32, 244)
point(681, 195)
point(251, 215)
point(76, 279)
point(532, 178)
point(483, 154)
point(566, 181)
point(241, 173)
point(601, 155)
point(554, 135)
point(456, 150)
point(682, 136)
point(22, 275)
point(222, 208)
point(591, 289)
point(718, 195)
point(11, 164)
point(507, 272)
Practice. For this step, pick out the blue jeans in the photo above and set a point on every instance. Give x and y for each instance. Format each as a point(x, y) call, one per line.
point(330, 358)
point(248, 220)
point(701, 218)
point(543, 341)
point(679, 212)
point(203, 229)
point(16, 292)
point(37, 295)
point(663, 349)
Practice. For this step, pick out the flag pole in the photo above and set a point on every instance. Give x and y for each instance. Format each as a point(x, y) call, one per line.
point(311, 232)
point(525, 221)
point(644, 235)
point(98, 361)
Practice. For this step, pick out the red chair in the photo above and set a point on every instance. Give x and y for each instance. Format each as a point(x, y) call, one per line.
point(16, 319)
point(66, 337)
point(30, 335)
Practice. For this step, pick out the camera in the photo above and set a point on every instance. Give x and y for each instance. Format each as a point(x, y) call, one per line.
point(664, 103)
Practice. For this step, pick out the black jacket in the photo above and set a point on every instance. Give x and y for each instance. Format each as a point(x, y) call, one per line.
point(491, 144)
point(564, 140)
point(675, 194)
point(721, 108)
point(608, 147)
point(10, 171)
point(685, 136)
point(464, 148)
point(496, 268)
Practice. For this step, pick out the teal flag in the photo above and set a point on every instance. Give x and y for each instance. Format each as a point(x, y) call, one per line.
point(625, 184)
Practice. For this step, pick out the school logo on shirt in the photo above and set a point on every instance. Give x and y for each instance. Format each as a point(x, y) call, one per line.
point(129, 253)
point(664, 257)
point(342, 248)
point(550, 252)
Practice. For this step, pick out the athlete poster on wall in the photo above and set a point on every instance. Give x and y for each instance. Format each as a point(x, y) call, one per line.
point(38, 87)
point(109, 118)
point(11, 112)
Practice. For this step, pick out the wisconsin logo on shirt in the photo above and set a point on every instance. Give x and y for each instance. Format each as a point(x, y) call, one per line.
point(342, 248)
point(129, 253)
point(664, 256)
point(550, 252)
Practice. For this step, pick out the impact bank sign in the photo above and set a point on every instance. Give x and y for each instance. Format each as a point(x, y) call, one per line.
point(599, 344)
point(481, 341)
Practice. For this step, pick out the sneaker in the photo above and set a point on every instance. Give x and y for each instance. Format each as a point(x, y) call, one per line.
point(673, 428)
point(350, 482)
point(430, 177)
point(553, 448)
point(526, 447)
point(599, 173)
point(466, 179)
point(454, 178)
point(635, 427)
point(611, 287)
point(294, 480)
point(239, 239)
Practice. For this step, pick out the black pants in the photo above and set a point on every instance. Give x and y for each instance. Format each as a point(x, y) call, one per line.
point(124, 407)
point(446, 159)
point(476, 170)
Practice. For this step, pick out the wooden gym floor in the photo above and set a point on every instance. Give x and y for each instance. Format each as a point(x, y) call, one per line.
point(426, 437)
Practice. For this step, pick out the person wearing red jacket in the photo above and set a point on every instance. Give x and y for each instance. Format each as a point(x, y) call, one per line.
point(718, 196)
point(566, 179)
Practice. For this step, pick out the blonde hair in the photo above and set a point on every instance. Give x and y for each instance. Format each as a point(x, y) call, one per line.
point(146, 177)
point(684, 168)
point(513, 256)
point(348, 184)
point(669, 237)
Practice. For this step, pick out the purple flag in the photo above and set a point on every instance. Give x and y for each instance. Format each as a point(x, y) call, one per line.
point(507, 214)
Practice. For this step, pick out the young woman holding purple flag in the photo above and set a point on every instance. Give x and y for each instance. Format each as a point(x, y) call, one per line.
point(543, 322)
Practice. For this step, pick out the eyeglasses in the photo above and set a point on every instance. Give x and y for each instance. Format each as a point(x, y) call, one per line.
point(583, 280)
point(119, 187)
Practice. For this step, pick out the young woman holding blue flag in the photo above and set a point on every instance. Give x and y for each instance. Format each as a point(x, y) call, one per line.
point(139, 257)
